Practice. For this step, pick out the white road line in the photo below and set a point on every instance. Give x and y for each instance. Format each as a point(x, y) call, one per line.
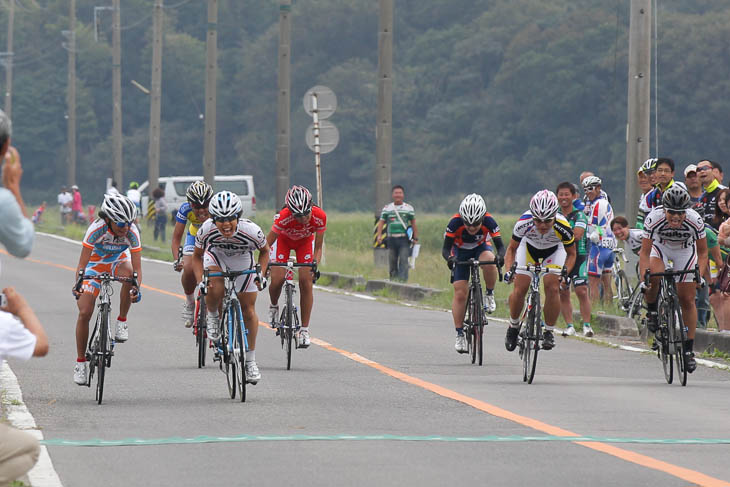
point(42, 474)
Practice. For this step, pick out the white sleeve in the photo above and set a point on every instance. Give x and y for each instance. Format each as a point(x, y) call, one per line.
point(15, 339)
point(16, 231)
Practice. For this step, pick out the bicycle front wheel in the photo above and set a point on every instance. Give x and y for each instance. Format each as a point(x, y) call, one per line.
point(289, 324)
point(239, 352)
point(680, 336)
point(101, 353)
point(666, 329)
point(623, 289)
point(532, 342)
point(226, 345)
point(478, 325)
point(201, 332)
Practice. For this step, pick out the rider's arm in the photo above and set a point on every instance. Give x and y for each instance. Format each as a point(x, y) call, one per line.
point(83, 258)
point(177, 234)
point(509, 256)
point(318, 241)
point(137, 266)
point(198, 264)
point(271, 238)
point(499, 245)
point(644, 256)
point(264, 259)
point(446, 249)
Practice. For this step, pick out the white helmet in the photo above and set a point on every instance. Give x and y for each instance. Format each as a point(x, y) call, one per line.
point(472, 209)
point(544, 205)
point(119, 208)
point(591, 181)
point(648, 166)
point(299, 200)
point(225, 205)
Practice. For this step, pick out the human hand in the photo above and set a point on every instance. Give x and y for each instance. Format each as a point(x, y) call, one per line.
point(451, 262)
point(16, 303)
point(177, 265)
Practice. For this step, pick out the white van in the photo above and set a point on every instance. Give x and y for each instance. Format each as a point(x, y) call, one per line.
point(176, 186)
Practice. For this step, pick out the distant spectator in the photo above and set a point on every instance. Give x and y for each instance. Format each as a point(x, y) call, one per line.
point(64, 205)
point(16, 231)
point(717, 171)
point(38, 213)
point(21, 337)
point(692, 181)
point(77, 206)
point(399, 220)
point(160, 213)
point(113, 188)
point(721, 212)
point(712, 188)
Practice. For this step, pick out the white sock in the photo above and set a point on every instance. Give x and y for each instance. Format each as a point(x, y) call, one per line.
point(190, 298)
point(514, 323)
point(549, 328)
point(251, 356)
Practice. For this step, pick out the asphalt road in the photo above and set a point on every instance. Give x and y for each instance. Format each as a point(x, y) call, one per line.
point(375, 369)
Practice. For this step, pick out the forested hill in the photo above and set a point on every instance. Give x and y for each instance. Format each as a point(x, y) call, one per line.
point(500, 97)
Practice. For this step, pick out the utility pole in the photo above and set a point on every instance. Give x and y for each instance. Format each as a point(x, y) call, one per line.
point(638, 122)
point(9, 61)
point(211, 67)
point(282, 119)
point(155, 100)
point(384, 129)
point(117, 93)
point(71, 96)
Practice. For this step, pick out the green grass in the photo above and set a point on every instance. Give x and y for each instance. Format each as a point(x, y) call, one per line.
point(348, 250)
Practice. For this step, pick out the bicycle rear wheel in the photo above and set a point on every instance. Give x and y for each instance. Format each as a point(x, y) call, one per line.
point(239, 352)
point(101, 354)
point(227, 358)
point(680, 336)
point(532, 342)
point(200, 330)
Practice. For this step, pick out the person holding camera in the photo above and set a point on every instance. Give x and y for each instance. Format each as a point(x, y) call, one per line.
point(399, 220)
point(21, 337)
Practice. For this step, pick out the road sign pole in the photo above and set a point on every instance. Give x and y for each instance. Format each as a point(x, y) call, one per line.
point(317, 149)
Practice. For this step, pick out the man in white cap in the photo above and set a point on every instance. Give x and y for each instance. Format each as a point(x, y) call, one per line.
point(692, 181)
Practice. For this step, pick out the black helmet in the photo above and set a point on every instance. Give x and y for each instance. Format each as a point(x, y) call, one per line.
point(676, 198)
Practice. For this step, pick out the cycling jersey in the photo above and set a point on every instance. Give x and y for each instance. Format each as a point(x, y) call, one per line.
point(578, 219)
point(107, 247)
point(656, 228)
point(600, 214)
point(287, 227)
point(708, 201)
point(464, 240)
point(653, 198)
point(186, 214)
point(233, 253)
point(634, 241)
point(561, 233)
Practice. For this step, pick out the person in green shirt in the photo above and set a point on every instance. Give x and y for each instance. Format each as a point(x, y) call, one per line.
point(399, 220)
point(579, 274)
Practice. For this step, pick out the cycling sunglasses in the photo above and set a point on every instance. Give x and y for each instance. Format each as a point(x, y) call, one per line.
point(226, 219)
point(122, 224)
point(676, 212)
point(301, 215)
point(473, 225)
point(590, 188)
point(540, 220)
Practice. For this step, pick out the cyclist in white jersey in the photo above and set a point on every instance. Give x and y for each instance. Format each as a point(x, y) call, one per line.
point(674, 232)
point(227, 242)
point(632, 237)
point(541, 234)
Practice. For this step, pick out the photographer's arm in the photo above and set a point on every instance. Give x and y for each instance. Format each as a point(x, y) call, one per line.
point(18, 306)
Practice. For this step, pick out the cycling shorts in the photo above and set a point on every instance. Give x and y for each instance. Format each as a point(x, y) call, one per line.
point(682, 259)
point(282, 247)
point(214, 257)
point(189, 245)
point(553, 257)
point(96, 268)
point(579, 274)
point(600, 261)
point(461, 272)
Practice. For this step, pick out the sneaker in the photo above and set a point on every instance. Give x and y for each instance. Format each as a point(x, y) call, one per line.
point(303, 338)
point(461, 345)
point(122, 334)
point(587, 331)
point(569, 331)
point(652, 321)
point(273, 315)
point(689, 362)
point(187, 314)
point(548, 340)
point(81, 372)
point(213, 327)
point(510, 340)
point(253, 376)
point(490, 303)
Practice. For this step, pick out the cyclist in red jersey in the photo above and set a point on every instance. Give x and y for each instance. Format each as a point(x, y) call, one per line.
point(300, 227)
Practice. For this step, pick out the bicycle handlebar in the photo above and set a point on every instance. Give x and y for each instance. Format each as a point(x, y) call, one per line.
point(227, 274)
point(648, 274)
point(622, 253)
point(105, 276)
point(477, 263)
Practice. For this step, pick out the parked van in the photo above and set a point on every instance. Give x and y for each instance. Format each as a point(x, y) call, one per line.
point(176, 186)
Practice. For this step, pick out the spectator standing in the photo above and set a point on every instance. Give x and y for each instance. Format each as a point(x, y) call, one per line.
point(692, 181)
point(38, 213)
point(160, 213)
point(113, 189)
point(21, 337)
point(712, 188)
point(646, 177)
point(134, 194)
point(16, 231)
point(77, 206)
point(399, 220)
point(64, 205)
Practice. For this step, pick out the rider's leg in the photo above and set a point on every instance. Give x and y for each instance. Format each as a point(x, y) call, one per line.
point(552, 300)
point(124, 269)
point(686, 292)
point(489, 271)
point(86, 309)
point(458, 305)
point(517, 296)
point(276, 283)
point(250, 318)
point(306, 298)
point(188, 278)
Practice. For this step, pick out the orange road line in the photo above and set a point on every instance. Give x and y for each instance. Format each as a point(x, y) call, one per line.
point(689, 475)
